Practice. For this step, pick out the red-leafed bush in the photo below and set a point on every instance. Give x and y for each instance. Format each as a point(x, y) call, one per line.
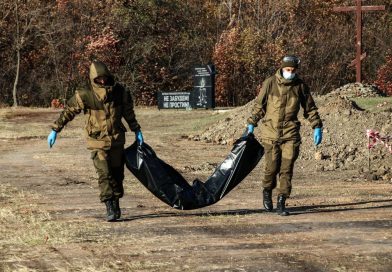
point(62, 4)
point(56, 104)
point(384, 76)
point(102, 46)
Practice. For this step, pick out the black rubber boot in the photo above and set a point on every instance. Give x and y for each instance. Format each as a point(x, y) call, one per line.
point(267, 200)
point(281, 206)
point(110, 215)
point(117, 210)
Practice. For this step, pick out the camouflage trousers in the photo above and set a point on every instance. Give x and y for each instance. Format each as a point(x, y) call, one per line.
point(109, 165)
point(279, 161)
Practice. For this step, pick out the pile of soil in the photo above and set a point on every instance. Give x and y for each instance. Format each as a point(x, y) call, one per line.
point(344, 145)
point(356, 90)
point(226, 131)
point(338, 104)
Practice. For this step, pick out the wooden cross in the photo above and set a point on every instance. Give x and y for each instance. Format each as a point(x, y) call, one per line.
point(358, 10)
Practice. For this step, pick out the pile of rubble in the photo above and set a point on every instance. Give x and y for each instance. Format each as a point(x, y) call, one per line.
point(344, 145)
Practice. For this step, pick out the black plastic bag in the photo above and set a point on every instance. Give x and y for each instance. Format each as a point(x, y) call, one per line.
point(169, 186)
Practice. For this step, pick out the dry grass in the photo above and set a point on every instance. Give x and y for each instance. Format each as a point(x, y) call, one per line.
point(186, 123)
point(28, 127)
point(24, 225)
point(36, 225)
point(17, 209)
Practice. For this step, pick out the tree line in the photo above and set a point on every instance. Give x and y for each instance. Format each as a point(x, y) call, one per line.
point(152, 45)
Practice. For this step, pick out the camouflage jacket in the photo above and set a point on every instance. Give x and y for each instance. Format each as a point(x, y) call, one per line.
point(277, 106)
point(104, 107)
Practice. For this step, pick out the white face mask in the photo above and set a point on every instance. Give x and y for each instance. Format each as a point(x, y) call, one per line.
point(288, 75)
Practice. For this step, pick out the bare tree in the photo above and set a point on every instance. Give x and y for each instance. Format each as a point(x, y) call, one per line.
point(24, 34)
point(18, 45)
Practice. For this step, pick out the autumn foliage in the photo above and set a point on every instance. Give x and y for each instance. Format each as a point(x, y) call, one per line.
point(153, 46)
point(56, 104)
point(384, 76)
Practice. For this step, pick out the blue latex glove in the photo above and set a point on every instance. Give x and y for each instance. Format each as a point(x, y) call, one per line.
point(139, 137)
point(317, 136)
point(52, 138)
point(251, 128)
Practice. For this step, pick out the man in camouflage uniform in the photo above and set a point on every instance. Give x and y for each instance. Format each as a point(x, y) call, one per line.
point(277, 105)
point(105, 102)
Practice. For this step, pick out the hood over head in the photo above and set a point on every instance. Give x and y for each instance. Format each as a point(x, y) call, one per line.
point(99, 69)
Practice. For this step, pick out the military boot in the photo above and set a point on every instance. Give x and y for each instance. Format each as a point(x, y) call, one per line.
point(117, 210)
point(110, 214)
point(267, 200)
point(281, 206)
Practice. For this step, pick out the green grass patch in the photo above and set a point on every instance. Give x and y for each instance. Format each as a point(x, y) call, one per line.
point(374, 104)
point(204, 122)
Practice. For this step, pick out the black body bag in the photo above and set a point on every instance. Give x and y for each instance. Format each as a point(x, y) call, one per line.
point(169, 185)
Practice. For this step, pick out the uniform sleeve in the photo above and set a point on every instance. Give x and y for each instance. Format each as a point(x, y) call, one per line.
point(128, 112)
point(259, 108)
point(310, 109)
point(73, 107)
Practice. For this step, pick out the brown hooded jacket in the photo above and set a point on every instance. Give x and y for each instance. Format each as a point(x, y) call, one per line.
point(104, 106)
point(277, 106)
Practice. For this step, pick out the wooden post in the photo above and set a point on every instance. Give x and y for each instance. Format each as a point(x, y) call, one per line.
point(369, 169)
point(358, 9)
point(358, 44)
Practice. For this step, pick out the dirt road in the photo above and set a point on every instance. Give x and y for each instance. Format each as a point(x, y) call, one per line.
point(51, 219)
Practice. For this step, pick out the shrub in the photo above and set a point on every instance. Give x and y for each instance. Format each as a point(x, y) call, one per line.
point(384, 76)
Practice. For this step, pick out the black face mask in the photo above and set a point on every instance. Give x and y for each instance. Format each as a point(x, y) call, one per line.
point(104, 81)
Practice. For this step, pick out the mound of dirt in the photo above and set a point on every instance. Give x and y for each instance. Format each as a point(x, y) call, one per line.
point(344, 143)
point(338, 104)
point(226, 131)
point(356, 90)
